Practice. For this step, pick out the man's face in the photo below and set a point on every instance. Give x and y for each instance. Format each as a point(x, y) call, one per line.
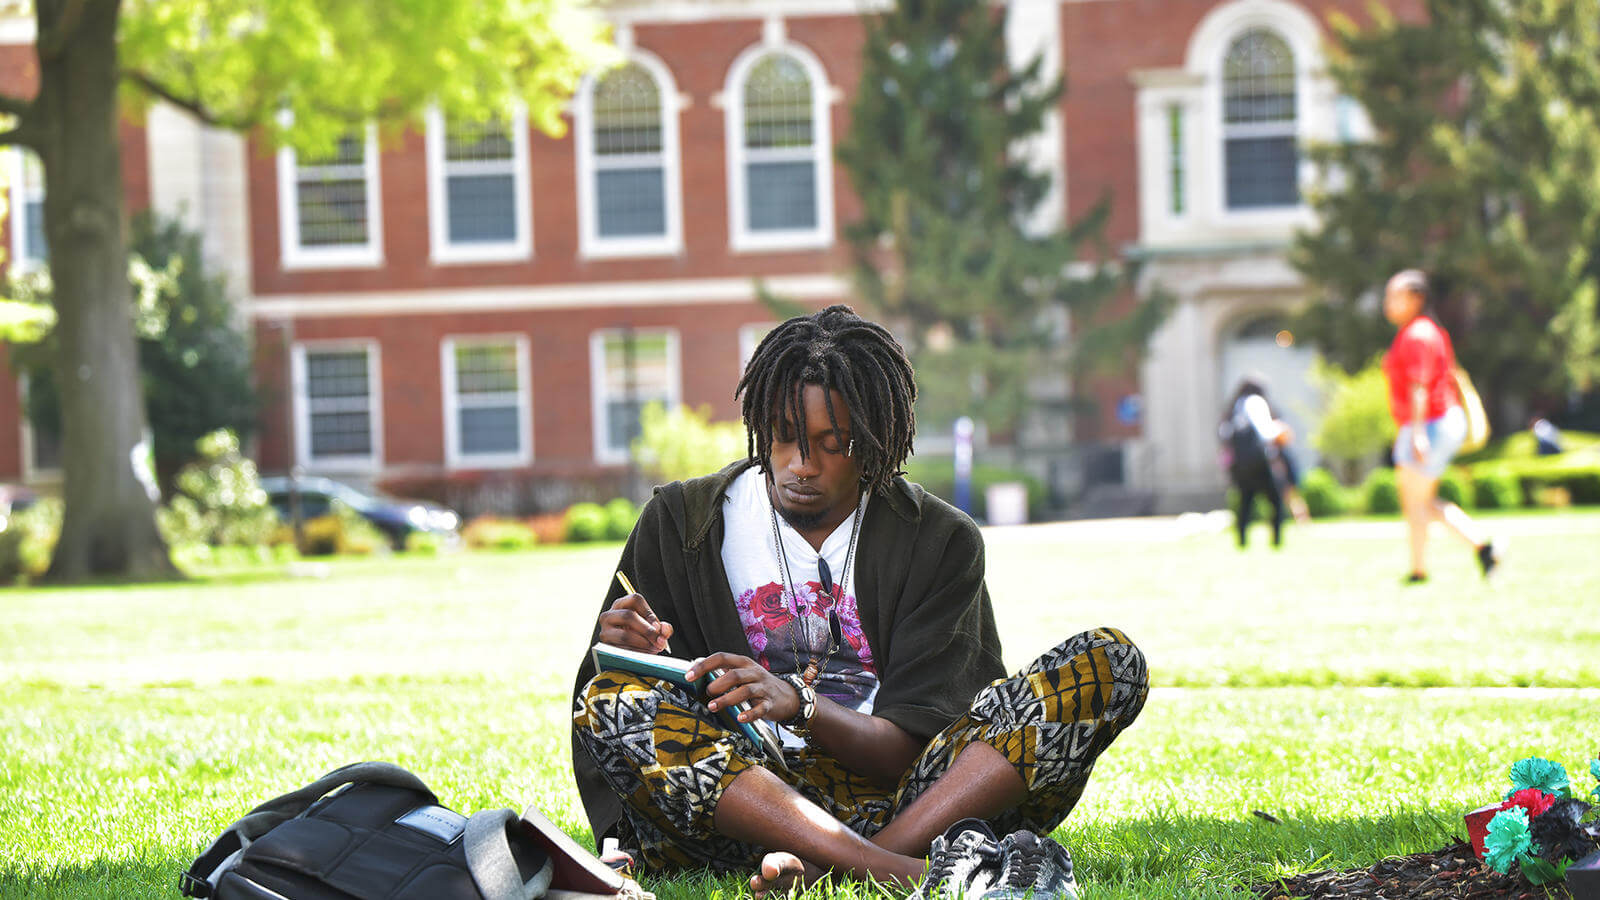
point(822, 489)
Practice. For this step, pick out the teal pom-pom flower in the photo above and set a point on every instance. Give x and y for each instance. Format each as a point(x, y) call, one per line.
point(1508, 839)
point(1594, 769)
point(1543, 774)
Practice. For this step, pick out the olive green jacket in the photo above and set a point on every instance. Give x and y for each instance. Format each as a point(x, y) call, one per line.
point(919, 588)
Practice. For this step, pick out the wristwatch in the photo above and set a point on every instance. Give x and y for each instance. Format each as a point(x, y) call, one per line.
point(800, 722)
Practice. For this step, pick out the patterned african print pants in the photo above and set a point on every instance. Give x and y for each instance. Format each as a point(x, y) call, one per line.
point(669, 758)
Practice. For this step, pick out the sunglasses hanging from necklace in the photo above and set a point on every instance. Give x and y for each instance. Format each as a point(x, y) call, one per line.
point(814, 665)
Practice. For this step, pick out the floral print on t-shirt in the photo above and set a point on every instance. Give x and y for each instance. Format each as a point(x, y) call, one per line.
point(768, 614)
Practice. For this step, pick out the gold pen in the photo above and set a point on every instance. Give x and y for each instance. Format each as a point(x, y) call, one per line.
point(628, 586)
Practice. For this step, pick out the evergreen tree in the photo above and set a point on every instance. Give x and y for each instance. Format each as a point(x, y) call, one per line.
point(1485, 172)
point(194, 356)
point(941, 249)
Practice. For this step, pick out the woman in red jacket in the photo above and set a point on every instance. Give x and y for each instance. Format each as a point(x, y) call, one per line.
point(1425, 403)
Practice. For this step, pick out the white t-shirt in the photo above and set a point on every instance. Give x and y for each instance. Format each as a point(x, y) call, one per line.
point(1255, 410)
point(768, 610)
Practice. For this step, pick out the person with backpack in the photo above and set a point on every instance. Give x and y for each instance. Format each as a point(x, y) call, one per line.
point(1427, 405)
point(1253, 454)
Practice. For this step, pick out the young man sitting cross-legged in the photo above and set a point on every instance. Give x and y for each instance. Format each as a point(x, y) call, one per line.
point(849, 606)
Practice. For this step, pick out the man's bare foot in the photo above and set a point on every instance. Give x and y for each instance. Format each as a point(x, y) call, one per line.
point(780, 871)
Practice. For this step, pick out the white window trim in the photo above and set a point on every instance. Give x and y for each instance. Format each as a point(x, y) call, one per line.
point(31, 472)
point(591, 245)
point(441, 249)
point(748, 342)
point(740, 238)
point(603, 454)
point(342, 256)
point(302, 407)
point(1206, 55)
point(19, 196)
point(454, 456)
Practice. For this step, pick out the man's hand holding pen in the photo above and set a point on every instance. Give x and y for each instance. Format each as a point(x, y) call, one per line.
point(631, 623)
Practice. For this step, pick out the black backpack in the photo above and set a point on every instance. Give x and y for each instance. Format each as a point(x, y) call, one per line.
point(1246, 450)
point(369, 830)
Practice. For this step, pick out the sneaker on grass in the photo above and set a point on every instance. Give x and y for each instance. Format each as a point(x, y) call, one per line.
point(1033, 868)
point(962, 863)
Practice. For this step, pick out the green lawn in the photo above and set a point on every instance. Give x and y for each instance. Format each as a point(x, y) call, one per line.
point(1304, 683)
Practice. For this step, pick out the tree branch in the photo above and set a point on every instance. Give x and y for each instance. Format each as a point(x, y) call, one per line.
point(188, 104)
point(53, 40)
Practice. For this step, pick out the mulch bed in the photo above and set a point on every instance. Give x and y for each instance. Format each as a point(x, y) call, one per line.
point(1452, 873)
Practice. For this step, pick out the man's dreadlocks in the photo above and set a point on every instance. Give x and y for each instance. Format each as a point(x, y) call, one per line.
point(835, 349)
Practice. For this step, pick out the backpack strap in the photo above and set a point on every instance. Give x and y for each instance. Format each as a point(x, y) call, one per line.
point(491, 864)
point(199, 881)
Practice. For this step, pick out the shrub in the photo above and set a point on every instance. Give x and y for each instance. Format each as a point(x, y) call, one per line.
point(1356, 425)
point(219, 500)
point(345, 532)
point(586, 522)
point(494, 533)
point(1552, 497)
point(684, 443)
point(548, 528)
point(1576, 473)
point(28, 538)
point(1455, 486)
point(1495, 490)
point(1379, 493)
point(1323, 493)
point(621, 514)
point(424, 543)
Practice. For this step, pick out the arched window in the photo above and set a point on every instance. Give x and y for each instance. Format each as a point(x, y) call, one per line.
point(628, 162)
point(780, 145)
point(1258, 122)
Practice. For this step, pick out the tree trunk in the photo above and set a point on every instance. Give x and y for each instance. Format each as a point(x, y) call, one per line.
point(109, 526)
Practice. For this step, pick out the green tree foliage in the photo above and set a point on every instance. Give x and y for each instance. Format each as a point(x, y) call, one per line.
point(194, 357)
point(1484, 173)
point(305, 73)
point(941, 249)
point(684, 443)
point(219, 500)
point(1356, 425)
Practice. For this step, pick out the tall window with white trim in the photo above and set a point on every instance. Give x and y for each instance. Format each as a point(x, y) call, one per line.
point(337, 390)
point(629, 196)
point(28, 247)
point(1262, 161)
point(329, 204)
point(486, 401)
point(780, 147)
point(477, 185)
point(630, 187)
point(629, 370)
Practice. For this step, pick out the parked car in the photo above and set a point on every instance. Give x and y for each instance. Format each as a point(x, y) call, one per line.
point(395, 517)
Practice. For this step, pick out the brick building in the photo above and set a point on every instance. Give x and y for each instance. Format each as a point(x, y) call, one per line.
point(477, 315)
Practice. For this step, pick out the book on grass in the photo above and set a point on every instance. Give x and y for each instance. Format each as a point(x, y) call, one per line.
point(577, 874)
point(654, 665)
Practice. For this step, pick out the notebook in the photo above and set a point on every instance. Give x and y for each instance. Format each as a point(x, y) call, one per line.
point(654, 665)
point(579, 874)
